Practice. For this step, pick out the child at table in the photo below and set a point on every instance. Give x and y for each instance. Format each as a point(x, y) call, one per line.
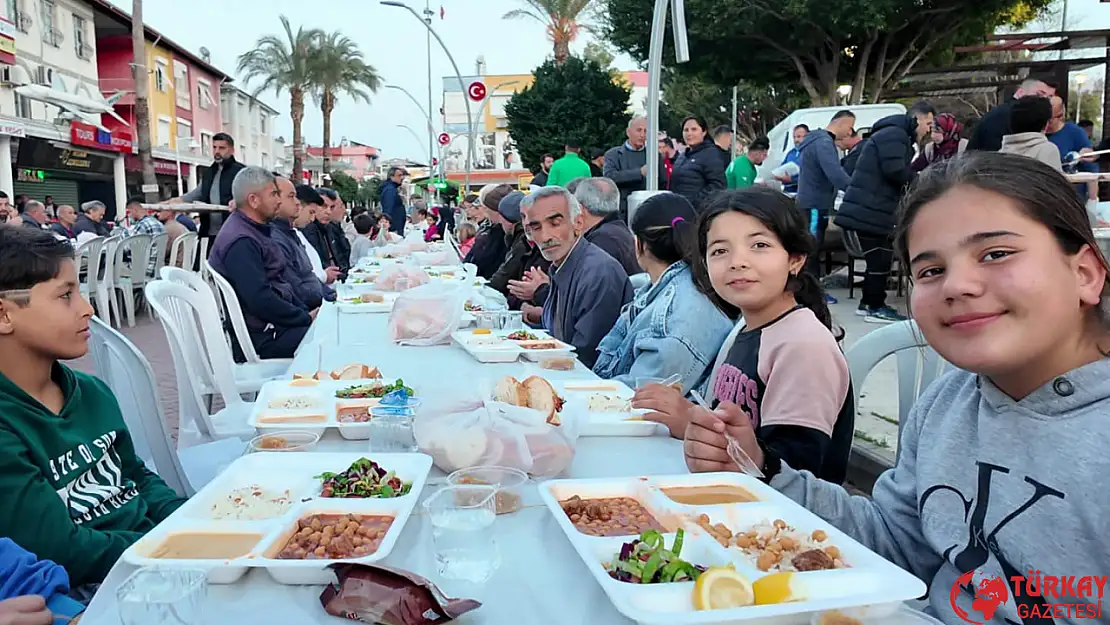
point(781, 364)
point(467, 233)
point(367, 236)
point(1002, 461)
point(72, 488)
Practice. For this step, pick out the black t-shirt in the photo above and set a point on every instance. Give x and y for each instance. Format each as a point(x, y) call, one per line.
point(791, 379)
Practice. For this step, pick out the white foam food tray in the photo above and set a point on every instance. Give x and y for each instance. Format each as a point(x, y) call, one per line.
point(611, 418)
point(868, 580)
point(266, 419)
point(274, 473)
point(487, 348)
point(348, 302)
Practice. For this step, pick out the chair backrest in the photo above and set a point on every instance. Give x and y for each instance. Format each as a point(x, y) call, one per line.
point(917, 363)
point(192, 279)
point(139, 246)
point(183, 251)
point(89, 254)
point(851, 243)
point(200, 351)
point(128, 373)
point(158, 253)
point(109, 273)
point(234, 313)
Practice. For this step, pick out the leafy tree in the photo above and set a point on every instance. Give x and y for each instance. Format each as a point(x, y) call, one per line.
point(758, 108)
point(869, 44)
point(563, 19)
point(345, 185)
point(577, 100)
point(284, 64)
point(599, 52)
point(369, 192)
point(338, 66)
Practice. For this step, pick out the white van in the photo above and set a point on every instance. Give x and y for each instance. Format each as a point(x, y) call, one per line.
point(782, 135)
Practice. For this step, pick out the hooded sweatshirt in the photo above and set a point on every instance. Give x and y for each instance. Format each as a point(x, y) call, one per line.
point(1034, 145)
point(72, 488)
point(992, 486)
point(820, 174)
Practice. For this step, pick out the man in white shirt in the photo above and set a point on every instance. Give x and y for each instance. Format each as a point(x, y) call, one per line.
point(310, 202)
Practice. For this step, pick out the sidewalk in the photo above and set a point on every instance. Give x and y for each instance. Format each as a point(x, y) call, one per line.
point(877, 413)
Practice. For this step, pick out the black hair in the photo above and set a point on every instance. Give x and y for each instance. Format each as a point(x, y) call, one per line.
point(696, 118)
point(760, 143)
point(669, 240)
point(364, 223)
point(572, 144)
point(801, 126)
point(421, 211)
point(223, 136)
point(385, 217)
point(667, 141)
point(778, 213)
point(596, 153)
point(328, 193)
point(3, 196)
point(29, 256)
point(841, 114)
point(1039, 191)
point(1086, 123)
point(1030, 113)
point(135, 199)
point(307, 194)
point(471, 198)
point(545, 157)
point(922, 107)
point(719, 130)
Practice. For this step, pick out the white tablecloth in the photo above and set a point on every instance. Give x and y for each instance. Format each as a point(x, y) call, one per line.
point(541, 579)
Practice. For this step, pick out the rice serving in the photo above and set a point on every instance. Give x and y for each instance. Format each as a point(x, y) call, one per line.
point(252, 503)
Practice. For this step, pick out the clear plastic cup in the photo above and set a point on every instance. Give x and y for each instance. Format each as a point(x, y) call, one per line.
point(163, 595)
point(463, 532)
point(512, 320)
point(641, 382)
point(391, 428)
point(291, 440)
point(509, 482)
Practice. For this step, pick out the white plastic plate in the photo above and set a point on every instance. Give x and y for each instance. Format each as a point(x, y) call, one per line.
point(869, 581)
point(577, 393)
point(347, 306)
point(276, 472)
point(487, 347)
point(265, 419)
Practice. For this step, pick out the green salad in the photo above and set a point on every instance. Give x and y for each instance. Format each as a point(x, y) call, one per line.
point(363, 479)
point(647, 560)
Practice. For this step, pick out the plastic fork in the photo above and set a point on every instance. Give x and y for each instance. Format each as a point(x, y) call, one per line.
point(735, 451)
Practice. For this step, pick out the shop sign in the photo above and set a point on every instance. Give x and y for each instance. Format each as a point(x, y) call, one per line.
point(163, 167)
point(35, 154)
point(90, 136)
point(7, 42)
point(12, 129)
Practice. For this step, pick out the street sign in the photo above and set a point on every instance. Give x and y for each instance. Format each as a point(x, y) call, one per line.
point(476, 91)
point(444, 138)
point(435, 161)
point(150, 188)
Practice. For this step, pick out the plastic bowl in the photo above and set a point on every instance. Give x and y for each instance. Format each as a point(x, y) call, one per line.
point(290, 440)
point(510, 484)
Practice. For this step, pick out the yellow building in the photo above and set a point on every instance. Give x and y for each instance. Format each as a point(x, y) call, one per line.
point(163, 99)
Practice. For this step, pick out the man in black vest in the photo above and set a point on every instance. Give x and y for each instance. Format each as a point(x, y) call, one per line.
point(215, 187)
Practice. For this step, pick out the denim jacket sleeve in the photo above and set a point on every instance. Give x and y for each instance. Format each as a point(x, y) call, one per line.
point(661, 357)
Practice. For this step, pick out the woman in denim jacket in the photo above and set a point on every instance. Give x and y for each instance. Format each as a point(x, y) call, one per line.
point(669, 327)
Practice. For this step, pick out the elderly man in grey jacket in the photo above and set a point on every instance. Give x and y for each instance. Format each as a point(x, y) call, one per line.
point(626, 164)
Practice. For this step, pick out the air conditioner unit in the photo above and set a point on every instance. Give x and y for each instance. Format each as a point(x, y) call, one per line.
point(45, 75)
point(23, 21)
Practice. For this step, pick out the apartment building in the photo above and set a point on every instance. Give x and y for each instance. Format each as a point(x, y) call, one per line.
point(250, 122)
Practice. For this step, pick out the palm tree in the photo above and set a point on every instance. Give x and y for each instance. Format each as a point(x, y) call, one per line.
point(339, 67)
point(563, 19)
point(285, 64)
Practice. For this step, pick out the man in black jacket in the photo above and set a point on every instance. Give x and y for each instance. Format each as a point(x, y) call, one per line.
point(988, 133)
point(215, 187)
point(488, 251)
point(871, 201)
point(337, 212)
point(392, 204)
point(626, 165)
point(323, 239)
point(540, 179)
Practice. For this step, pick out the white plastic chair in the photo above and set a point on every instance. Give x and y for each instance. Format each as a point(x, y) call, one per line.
point(158, 254)
point(234, 313)
point(130, 279)
point(201, 356)
point(918, 364)
point(249, 376)
point(87, 256)
point(106, 306)
point(183, 251)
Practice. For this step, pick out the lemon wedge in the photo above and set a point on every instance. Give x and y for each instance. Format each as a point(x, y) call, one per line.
point(720, 588)
point(779, 587)
point(482, 331)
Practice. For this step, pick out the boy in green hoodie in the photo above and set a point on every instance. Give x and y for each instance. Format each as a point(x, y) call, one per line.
point(72, 488)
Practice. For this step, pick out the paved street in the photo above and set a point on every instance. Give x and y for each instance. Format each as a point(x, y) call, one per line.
point(876, 420)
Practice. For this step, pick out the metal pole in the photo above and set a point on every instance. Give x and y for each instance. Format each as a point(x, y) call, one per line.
point(655, 69)
point(428, 117)
point(458, 74)
point(732, 154)
point(489, 96)
point(411, 132)
point(431, 139)
point(177, 155)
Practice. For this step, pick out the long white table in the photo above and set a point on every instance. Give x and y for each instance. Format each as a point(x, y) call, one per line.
point(541, 579)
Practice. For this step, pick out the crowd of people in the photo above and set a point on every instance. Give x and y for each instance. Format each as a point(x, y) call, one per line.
point(1009, 286)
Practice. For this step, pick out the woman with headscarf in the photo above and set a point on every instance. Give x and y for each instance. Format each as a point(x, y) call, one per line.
point(946, 142)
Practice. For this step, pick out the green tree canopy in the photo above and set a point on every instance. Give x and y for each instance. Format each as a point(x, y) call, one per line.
point(338, 66)
point(758, 108)
point(820, 45)
point(577, 100)
point(345, 185)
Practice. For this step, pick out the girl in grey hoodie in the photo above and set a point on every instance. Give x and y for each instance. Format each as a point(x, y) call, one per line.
point(998, 499)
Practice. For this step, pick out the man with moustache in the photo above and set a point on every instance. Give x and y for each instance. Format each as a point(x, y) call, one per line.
point(247, 255)
point(298, 268)
point(588, 287)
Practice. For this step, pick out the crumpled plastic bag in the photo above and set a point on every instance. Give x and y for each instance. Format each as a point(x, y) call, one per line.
point(400, 277)
point(428, 314)
point(435, 259)
point(466, 430)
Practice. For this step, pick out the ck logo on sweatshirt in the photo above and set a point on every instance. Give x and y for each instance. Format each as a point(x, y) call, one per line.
point(99, 487)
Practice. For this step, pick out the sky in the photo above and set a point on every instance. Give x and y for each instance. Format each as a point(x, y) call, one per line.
point(393, 41)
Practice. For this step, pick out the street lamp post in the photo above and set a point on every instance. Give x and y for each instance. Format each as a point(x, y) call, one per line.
point(192, 145)
point(427, 117)
point(1079, 80)
point(458, 74)
point(655, 71)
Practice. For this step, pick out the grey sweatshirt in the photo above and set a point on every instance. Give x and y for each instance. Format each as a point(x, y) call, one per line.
point(988, 484)
point(820, 174)
point(1034, 145)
